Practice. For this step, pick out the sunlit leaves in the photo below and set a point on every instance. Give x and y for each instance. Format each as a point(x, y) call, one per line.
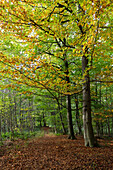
point(36, 35)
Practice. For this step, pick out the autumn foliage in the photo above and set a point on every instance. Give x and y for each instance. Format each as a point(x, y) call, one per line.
point(63, 48)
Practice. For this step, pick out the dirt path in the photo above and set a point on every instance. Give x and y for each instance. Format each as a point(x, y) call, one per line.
point(55, 153)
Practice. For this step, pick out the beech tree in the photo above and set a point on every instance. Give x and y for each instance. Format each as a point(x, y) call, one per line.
point(58, 34)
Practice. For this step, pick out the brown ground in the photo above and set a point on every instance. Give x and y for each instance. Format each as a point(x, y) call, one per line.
point(55, 153)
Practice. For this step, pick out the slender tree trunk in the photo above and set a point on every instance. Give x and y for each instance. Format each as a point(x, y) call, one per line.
point(87, 120)
point(108, 124)
point(4, 119)
point(21, 114)
point(106, 128)
point(15, 110)
point(112, 128)
point(30, 115)
point(61, 118)
point(62, 123)
point(68, 103)
point(101, 127)
point(44, 121)
point(96, 106)
point(11, 116)
point(109, 133)
point(55, 127)
point(54, 122)
point(69, 118)
point(98, 128)
point(78, 116)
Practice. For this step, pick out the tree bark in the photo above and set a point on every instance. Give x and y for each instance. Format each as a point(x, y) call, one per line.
point(61, 119)
point(69, 118)
point(68, 103)
point(78, 116)
point(87, 120)
point(96, 106)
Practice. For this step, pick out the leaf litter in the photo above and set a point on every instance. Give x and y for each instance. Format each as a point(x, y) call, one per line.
point(56, 153)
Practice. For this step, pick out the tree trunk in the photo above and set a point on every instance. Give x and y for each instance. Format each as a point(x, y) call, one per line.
point(30, 115)
point(68, 103)
point(87, 120)
point(69, 118)
point(109, 133)
point(98, 128)
point(62, 123)
point(11, 116)
point(96, 106)
point(44, 121)
point(112, 128)
point(15, 110)
point(61, 117)
point(78, 116)
point(106, 128)
point(101, 125)
point(40, 122)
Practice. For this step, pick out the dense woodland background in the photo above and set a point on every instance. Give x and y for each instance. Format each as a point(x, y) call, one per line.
point(56, 68)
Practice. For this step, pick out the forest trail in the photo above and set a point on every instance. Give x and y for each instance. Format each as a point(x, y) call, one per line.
point(55, 153)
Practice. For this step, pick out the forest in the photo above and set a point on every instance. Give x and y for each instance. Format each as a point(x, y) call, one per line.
point(56, 84)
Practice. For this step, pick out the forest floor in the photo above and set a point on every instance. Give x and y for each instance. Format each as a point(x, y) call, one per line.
point(55, 153)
